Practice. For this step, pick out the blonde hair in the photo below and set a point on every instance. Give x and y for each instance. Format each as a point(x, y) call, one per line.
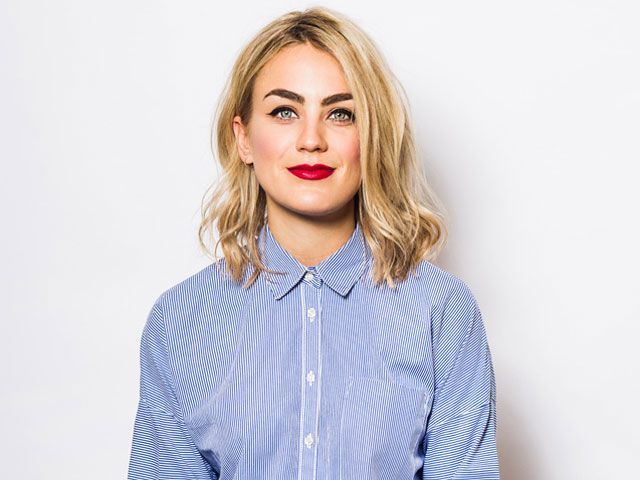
point(397, 211)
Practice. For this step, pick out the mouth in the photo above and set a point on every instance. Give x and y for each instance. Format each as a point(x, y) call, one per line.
point(317, 171)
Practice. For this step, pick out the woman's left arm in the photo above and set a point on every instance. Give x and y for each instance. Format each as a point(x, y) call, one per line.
point(460, 441)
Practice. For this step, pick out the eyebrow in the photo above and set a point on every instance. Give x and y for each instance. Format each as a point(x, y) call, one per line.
point(281, 92)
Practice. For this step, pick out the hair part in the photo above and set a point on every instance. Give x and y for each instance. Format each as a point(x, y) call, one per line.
point(400, 216)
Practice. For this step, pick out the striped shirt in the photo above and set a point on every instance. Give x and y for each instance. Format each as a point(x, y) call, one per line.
point(316, 373)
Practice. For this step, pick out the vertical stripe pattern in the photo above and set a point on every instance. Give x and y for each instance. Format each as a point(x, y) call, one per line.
point(315, 373)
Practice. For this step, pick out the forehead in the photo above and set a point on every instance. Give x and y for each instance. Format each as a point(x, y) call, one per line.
point(304, 69)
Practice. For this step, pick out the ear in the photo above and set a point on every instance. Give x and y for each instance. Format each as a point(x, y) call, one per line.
point(242, 141)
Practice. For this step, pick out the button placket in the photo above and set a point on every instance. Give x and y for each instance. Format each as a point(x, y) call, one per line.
point(310, 375)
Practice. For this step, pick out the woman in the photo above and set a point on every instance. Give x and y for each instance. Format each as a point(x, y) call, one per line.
point(324, 344)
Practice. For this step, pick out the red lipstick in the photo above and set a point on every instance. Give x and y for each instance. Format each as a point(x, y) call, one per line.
point(317, 171)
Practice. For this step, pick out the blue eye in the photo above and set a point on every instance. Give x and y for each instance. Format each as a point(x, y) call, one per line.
point(345, 115)
point(340, 115)
point(278, 110)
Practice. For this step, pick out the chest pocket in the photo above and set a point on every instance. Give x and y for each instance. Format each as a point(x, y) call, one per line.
point(380, 429)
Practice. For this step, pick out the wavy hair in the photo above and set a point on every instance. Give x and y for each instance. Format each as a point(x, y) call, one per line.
point(400, 216)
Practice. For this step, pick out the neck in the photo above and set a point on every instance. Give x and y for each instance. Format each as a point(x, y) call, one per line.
point(311, 239)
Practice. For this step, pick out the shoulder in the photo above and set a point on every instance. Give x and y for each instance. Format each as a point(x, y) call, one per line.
point(452, 306)
point(206, 279)
point(208, 292)
point(438, 286)
point(453, 310)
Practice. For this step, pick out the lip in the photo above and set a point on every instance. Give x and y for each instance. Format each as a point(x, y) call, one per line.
point(317, 171)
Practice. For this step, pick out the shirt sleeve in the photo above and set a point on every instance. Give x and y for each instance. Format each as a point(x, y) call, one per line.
point(460, 440)
point(161, 447)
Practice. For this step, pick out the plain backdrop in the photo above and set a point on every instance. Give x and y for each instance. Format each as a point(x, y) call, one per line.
point(528, 124)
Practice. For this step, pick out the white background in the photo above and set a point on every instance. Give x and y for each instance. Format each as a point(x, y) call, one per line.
point(528, 120)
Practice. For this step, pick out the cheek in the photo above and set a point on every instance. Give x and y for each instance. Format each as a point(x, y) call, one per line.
point(350, 152)
point(268, 145)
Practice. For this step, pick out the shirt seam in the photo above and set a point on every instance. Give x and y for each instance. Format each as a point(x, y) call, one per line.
point(154, 408)
point(165, 345)
point(465, 412)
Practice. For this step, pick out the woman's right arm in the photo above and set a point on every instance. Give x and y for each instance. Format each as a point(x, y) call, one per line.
point(162, 447)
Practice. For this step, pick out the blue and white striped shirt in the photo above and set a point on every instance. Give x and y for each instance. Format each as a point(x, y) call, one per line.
point(315, 374)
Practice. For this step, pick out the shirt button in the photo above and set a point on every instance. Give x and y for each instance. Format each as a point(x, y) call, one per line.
point(308, 440)
point(308, 277)
point(311, 377)
point(311, 312)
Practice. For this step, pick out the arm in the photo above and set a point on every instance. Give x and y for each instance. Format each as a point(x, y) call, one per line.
point(460, 442)
point(161, 446)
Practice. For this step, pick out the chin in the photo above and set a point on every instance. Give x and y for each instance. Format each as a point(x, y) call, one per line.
point(313, 211)
point(317, 209)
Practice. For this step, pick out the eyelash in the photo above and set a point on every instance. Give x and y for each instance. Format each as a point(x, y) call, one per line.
point(351, 118)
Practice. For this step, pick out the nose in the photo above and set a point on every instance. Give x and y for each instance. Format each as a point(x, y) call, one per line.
point(312, 136)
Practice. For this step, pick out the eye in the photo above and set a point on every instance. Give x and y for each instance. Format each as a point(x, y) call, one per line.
point(343, 115)
point(286, 111)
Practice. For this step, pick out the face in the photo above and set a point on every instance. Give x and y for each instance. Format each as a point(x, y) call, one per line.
point(302, 114)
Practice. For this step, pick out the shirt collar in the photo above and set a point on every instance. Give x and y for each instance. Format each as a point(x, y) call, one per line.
point(340, 271)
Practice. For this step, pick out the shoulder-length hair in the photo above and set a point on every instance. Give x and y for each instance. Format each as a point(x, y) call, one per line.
point(400, 216)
